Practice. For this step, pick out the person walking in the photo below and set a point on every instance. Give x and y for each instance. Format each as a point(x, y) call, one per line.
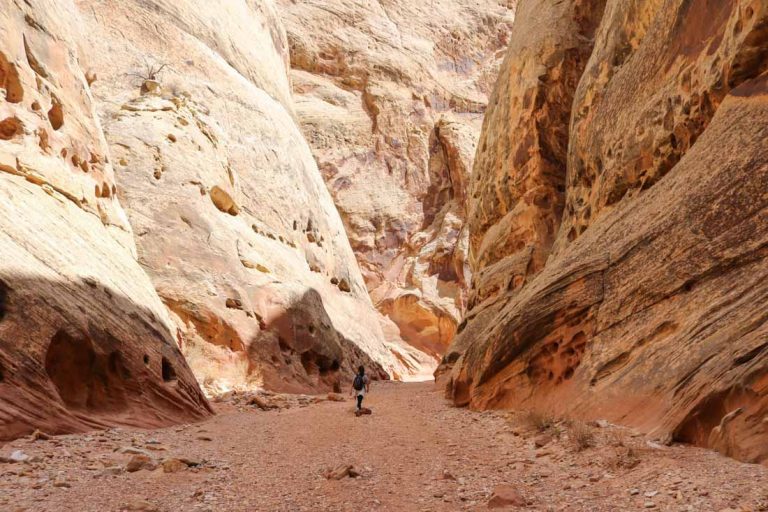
point(360, 386)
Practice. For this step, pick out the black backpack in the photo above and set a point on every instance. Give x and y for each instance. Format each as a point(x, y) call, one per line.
point(359, 382)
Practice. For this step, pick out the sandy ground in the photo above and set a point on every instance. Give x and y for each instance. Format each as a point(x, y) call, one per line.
point(415, 452)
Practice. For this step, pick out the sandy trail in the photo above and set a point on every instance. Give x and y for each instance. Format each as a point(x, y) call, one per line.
point(273, 461)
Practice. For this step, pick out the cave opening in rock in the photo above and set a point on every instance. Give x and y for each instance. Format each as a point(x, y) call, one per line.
point(169, 373)
point(309, 363)
point(116, 366)
point(318, 364)
point(324, 365)
point(67, 362)
point(83, 378)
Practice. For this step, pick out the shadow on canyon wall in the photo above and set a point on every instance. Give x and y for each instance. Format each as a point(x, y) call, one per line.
point(303, 342)
point(80, 355)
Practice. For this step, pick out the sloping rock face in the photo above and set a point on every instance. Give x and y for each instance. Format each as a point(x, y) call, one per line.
point(232, 219)
point(390, 95)
point(84, 339)
point(619, 222)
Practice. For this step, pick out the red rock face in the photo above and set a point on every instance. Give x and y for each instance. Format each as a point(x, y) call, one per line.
point(85, 341)
point(63, 369)
point(646, 305)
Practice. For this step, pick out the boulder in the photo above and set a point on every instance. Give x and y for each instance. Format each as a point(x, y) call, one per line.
point(173, 465)
point(139, 462)
point(339, 472)
point(505, 496)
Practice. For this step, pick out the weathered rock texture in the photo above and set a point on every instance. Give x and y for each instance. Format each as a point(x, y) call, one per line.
point(390, 95)
point(619, 222)
point(84, 339)
point(232, 219)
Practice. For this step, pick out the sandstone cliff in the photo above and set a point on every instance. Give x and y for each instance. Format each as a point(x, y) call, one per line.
point(84, 339)
point(619, 222)
point(390, 95)
point(232, 219)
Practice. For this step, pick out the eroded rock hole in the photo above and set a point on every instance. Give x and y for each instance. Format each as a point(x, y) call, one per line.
point(146, 360)
point(10, 81)
point(557, 360)
point(169, 373)
point(43, 139)
point(324, 365)
point(68, 363)
point(117, 367)
point(315, 364)
point(308, 362)
point(84, 379)
point(707, 424)
point(10, 128)
point(56, 115)
point(610, 367)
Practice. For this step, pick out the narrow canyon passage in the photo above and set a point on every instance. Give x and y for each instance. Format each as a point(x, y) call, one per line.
point(415, 452)
point(556, 208)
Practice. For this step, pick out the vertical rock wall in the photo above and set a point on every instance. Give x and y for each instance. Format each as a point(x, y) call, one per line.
point(390, 95)
point(646, 304)
point(232, 219)
point(84, 339)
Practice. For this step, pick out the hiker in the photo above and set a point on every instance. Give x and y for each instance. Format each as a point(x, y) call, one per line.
point(360, 386)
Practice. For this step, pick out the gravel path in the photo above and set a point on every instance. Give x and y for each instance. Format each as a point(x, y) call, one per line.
point(415, 452)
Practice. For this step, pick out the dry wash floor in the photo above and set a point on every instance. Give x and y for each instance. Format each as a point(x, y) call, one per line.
point(414, 453)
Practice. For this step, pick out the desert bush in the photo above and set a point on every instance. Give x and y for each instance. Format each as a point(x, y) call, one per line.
point(541, 421)
point(149, 70)
point(581, 435)
point(624, 458)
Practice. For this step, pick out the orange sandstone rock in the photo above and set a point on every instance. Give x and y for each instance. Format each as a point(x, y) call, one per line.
point(635, 288)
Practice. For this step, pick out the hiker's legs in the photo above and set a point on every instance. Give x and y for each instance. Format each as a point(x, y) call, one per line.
point(359, 402)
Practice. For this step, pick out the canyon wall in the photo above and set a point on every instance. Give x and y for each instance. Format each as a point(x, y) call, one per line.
point(85, 341)
point(159, 198)
point(232, 219)
point(619, 222)
point(390, 95)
